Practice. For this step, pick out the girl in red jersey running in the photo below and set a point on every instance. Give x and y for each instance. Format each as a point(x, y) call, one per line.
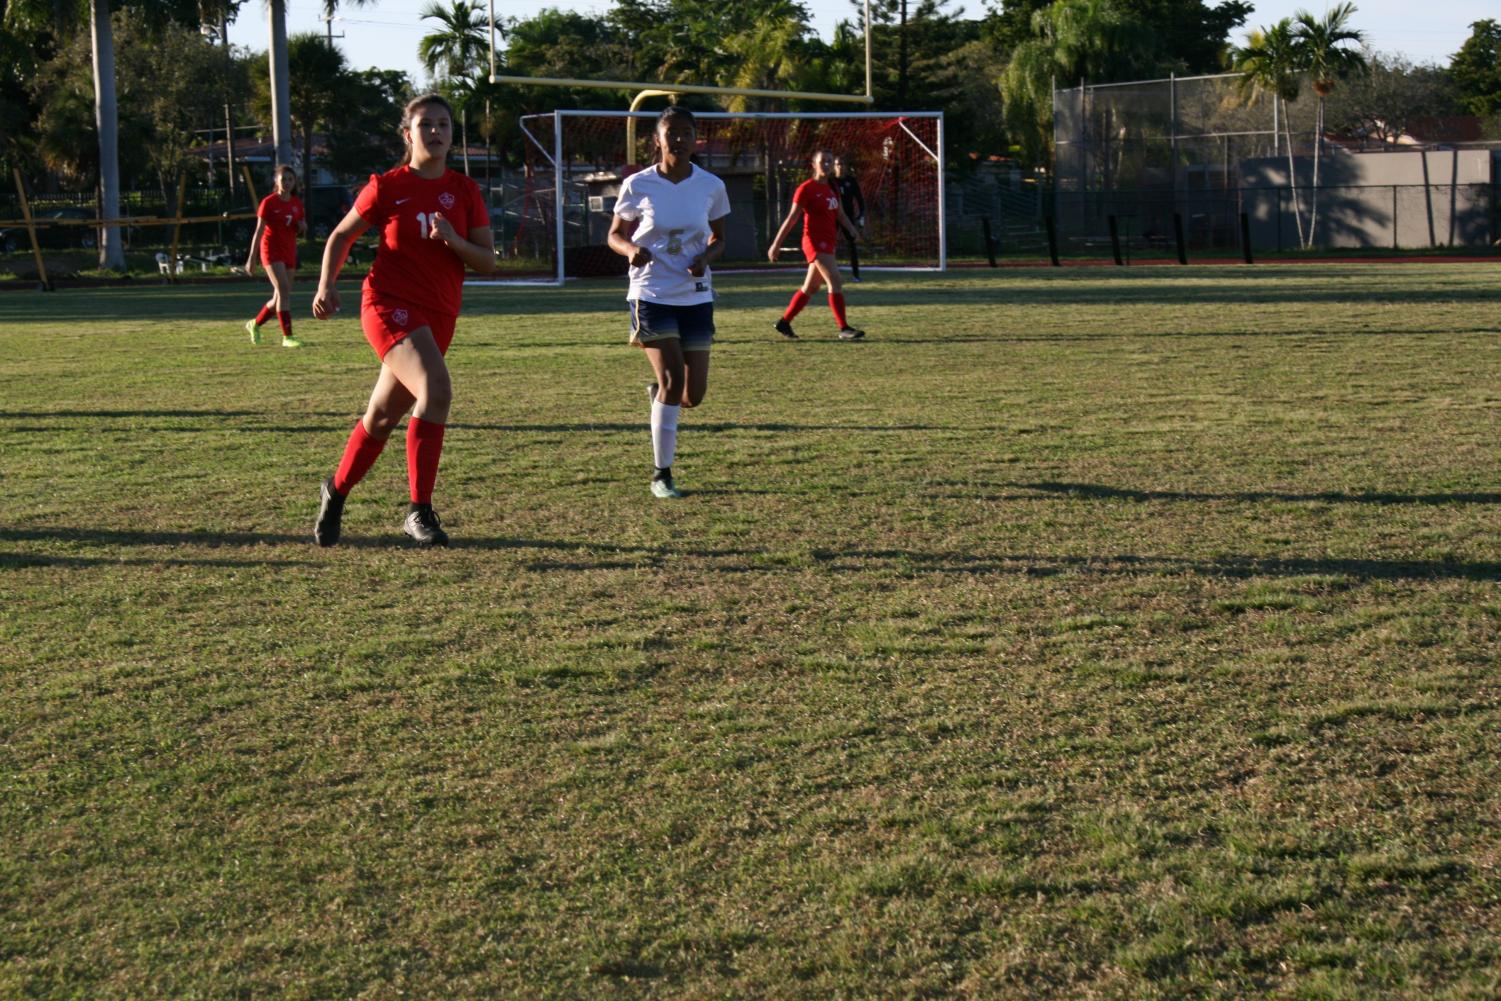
point(279, 221)
point(433, 223)
point(818, 205)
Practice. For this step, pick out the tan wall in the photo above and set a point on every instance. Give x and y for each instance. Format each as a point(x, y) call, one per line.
point(1435, 198)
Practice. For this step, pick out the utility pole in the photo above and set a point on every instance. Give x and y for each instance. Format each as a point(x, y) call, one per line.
point(229, 116)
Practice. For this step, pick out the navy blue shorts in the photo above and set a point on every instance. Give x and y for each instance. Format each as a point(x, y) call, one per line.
point(693, 326)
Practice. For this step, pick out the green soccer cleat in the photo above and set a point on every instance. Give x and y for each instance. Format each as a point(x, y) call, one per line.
point(291, 342)
point(253, 331)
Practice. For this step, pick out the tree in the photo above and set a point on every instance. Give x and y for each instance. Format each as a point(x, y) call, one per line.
point(161, 74)
point(1382, 102)
point(1270, 64)
point(1325, 47)
point(1071, 40)
point(316, 91)
point(363, 136)
point(910, 37)
point(454, 53)
point(1189, 36)
point(1476, 69)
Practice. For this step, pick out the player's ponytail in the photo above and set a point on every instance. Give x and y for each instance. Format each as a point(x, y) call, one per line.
point(404, 129)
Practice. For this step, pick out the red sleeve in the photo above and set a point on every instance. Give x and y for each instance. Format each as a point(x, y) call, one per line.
point(801, 195)
point(479, 212)
point(263, 209)
point(368, 203)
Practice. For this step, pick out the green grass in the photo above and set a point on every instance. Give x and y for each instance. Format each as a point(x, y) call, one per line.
point(1083, 634)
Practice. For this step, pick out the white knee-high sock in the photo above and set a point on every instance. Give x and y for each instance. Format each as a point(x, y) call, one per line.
point(664, 433)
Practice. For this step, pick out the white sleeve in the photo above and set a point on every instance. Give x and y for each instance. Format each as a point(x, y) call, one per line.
point(719, 204)
point(627, 205)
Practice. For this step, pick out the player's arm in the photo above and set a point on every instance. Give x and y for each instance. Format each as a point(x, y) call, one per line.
point(621, 231)
point(477, 250)
point(713, 252)
point(793, 215)
point(335, 252)
point(255, 243)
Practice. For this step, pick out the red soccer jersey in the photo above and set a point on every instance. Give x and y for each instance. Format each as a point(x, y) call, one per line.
point(279, 235)
point(410, 266)
point(820, 213)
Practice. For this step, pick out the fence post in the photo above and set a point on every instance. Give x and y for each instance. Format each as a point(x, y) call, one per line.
point(1052, 228)
point(1279, 220)
point(182, 189)
point(36, 248)
point(1178, 234)
point(1394, 217)
point(989, 240)
point(1245, 237)
point(1115, 239)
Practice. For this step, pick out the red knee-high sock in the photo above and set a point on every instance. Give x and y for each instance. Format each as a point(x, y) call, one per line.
point(285, 319)
point(424, 448)
point(263, 315)
point(799, 300)
point(836, 303)
point(359, 455)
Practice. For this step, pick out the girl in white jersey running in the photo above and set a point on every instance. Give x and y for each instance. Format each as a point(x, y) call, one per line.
point(669, 223)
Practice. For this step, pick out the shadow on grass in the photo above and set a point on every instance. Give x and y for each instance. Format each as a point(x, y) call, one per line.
point(1096, 491)
point(590, 555)
point(231, 302)
point(18, 561)
point(215, 423)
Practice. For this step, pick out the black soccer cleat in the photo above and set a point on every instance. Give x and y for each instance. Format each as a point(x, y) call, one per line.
point(330, 514)
point(785, 329)
point(423, 526)
point(850, 334)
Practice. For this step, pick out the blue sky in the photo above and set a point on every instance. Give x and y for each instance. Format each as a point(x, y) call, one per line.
point(385, 32)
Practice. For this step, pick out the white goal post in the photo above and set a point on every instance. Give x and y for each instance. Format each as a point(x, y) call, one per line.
point(576, 160)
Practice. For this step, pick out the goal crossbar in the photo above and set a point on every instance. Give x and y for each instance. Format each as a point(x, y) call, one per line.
point(557, 159)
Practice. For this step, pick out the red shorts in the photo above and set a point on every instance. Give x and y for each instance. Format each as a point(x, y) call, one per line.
point(270, 255)
point(812, 250)
point(386, 322)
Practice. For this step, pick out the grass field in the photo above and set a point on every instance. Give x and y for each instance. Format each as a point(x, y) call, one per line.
point(1082, 634)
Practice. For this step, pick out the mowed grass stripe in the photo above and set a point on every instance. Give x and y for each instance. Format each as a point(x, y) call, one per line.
point(1088, 633)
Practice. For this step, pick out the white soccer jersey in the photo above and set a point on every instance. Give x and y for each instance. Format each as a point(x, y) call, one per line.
point(674, 225)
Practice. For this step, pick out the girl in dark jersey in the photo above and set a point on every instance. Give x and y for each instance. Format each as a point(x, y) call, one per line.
point(818, 206)
point(433, 224)
point(852, 200)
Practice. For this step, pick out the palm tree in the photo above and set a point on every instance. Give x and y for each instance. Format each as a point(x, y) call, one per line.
point(281, 85)
point(454, 53)
point(318, 73)
point(107, 119)
point(1326, 57)
point(763, 56)
point(1270, 63)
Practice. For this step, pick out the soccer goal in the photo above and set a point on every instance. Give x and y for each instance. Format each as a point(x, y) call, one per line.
point(576, 160)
